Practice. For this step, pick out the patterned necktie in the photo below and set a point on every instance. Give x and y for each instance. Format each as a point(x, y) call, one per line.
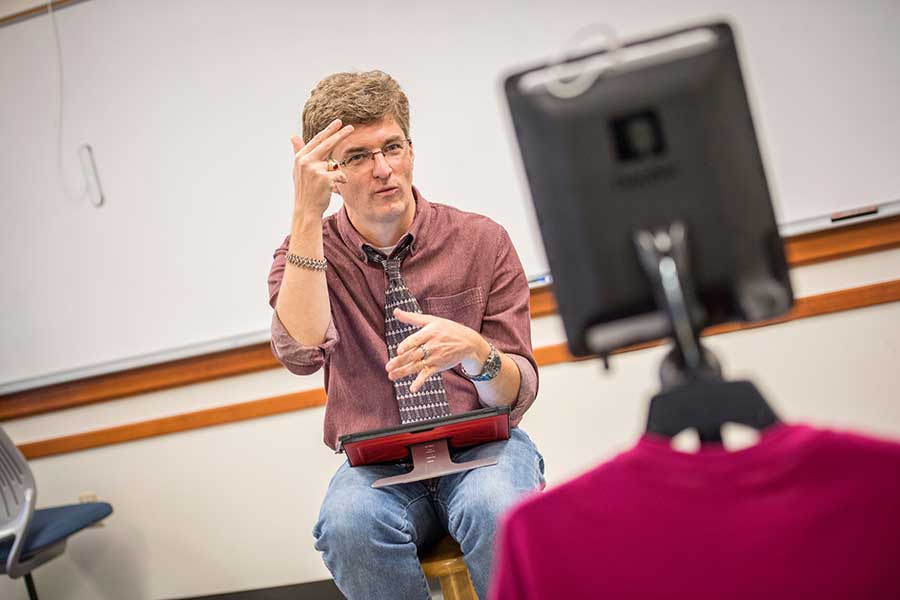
point(430, 401)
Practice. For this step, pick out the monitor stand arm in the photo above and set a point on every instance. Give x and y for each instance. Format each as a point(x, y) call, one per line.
point(664, 257)
point(432, 459)
point(694, 395)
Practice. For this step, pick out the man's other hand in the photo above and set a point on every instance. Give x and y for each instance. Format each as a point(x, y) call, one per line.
point(439, 345)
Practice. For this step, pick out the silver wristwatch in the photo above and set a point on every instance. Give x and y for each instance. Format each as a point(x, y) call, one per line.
point(490, 369)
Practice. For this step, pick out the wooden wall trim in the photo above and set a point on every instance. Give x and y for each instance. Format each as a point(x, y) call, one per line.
point(543, 302)
point(804, 249)
point(184, 422)
point(823, 304)
point(40, 9)
point(831, 244)
point(142, 380)
point(804, 308)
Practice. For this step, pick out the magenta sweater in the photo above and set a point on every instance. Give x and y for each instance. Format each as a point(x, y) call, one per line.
point(806, 513)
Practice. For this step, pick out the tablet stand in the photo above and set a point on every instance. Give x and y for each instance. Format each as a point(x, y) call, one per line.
point(432, 459)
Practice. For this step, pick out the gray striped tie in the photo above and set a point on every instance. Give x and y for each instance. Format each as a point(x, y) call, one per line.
point(431, 400)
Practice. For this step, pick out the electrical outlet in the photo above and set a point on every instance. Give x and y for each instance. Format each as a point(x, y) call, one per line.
point(87, 497)
point(90, 497)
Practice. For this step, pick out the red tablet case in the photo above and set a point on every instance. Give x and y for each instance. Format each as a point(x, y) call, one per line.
point(461, 431)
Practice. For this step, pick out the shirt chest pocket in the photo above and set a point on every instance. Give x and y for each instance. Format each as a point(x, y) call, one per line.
point(465, 307)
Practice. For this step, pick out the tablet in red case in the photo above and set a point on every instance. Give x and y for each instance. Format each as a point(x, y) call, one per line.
point(392, 444)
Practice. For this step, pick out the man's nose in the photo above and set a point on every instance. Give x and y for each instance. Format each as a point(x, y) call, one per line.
point(382, 168)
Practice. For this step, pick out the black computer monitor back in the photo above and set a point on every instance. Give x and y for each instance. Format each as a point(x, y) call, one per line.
point(666, 136)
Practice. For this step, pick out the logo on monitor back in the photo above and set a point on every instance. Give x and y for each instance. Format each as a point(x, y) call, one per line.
point(640, 148)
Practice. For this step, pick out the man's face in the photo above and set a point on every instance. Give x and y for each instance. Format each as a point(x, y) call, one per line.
point(378, 193)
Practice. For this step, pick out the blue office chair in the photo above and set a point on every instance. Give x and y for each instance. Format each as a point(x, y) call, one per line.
point(29, 537)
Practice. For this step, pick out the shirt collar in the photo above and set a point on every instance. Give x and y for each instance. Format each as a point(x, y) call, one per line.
point(419, 227)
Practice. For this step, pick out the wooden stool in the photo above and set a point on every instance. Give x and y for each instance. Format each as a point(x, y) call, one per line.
point(444, 560)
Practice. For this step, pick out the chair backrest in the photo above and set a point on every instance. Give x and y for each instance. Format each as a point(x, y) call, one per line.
point(17, 498)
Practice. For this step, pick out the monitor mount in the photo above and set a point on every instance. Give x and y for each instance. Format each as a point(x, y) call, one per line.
point(694, 394)
point(664, 257)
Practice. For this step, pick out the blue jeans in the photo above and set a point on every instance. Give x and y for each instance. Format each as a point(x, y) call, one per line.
point(369, 538)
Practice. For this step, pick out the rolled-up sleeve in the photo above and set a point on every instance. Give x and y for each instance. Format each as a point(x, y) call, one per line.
point(296, 357)
point(507, 323)
point(528, 387)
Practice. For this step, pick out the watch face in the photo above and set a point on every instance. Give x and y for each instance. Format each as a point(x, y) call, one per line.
point(491, 367)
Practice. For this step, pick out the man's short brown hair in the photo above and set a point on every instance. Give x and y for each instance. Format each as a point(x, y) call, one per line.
point(355, 99)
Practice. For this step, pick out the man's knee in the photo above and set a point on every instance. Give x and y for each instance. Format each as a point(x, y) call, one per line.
point(484, 495)
point(354, 516)
point(484, 505)
point(350, 524)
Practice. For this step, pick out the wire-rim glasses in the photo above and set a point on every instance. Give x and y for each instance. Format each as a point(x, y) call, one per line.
point(392, 152)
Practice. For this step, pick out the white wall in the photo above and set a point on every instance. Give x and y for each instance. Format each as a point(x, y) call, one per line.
point(189, 106)
point(231, 507)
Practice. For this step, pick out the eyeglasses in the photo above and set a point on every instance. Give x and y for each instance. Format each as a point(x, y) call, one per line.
point(392, 152)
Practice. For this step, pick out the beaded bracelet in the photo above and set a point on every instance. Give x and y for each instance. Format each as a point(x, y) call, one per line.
point(313, 264)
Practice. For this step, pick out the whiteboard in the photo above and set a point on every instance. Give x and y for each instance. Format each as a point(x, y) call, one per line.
point(189, 107)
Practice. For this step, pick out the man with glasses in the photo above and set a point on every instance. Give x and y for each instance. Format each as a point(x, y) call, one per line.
point(464, 339)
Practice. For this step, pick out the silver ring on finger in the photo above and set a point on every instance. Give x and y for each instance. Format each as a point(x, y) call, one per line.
point(332, 165)
point(424, 352)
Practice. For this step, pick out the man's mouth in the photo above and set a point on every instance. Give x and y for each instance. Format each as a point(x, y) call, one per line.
point(386, 191)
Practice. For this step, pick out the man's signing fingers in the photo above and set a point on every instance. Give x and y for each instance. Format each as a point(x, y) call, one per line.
point(324, 147)
point(421, 378)
point(408, 363)
point(317, 139)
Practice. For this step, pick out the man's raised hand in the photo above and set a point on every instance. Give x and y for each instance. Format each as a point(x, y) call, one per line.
point(313, 180)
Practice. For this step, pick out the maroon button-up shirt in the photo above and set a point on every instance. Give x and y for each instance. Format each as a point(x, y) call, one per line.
point(461, 266)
